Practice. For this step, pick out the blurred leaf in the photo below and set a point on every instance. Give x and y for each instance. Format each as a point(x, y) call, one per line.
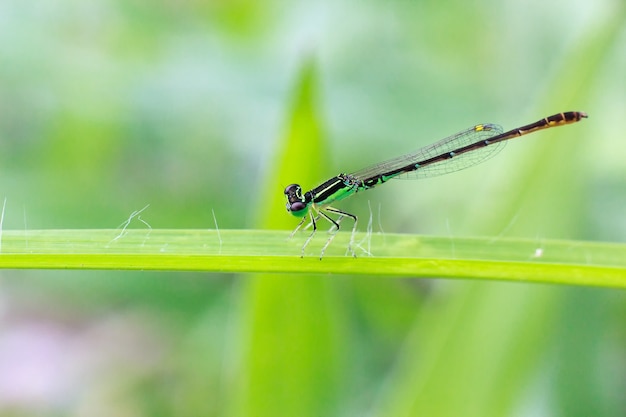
point(301, 154)
point(290, 363)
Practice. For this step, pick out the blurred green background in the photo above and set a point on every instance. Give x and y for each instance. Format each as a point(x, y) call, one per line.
point(107, 106)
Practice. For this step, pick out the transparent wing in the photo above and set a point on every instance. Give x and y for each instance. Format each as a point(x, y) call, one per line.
point(452, 143)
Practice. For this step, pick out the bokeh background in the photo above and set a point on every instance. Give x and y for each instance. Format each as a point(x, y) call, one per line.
point(107, 106)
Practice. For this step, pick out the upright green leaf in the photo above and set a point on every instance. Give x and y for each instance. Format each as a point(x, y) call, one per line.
point(289, 363)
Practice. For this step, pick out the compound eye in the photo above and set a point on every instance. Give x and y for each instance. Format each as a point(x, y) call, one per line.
point(293, 189)
point(297, 206)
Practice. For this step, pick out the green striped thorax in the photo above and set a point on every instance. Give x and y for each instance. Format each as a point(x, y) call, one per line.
point(336, 188)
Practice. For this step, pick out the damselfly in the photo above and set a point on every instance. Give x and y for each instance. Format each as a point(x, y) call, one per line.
point(453, 153)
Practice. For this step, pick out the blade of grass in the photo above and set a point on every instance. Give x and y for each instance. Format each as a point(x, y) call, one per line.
point(520, 260)
point(290, 365)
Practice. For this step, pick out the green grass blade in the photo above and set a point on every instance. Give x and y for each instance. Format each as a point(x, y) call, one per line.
point(289, 366)
point(520, 260)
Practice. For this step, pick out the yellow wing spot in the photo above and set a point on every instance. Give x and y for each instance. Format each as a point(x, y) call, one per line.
point(479, 128)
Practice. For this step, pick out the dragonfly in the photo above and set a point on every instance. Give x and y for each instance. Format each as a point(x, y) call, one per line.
point(459, 151)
